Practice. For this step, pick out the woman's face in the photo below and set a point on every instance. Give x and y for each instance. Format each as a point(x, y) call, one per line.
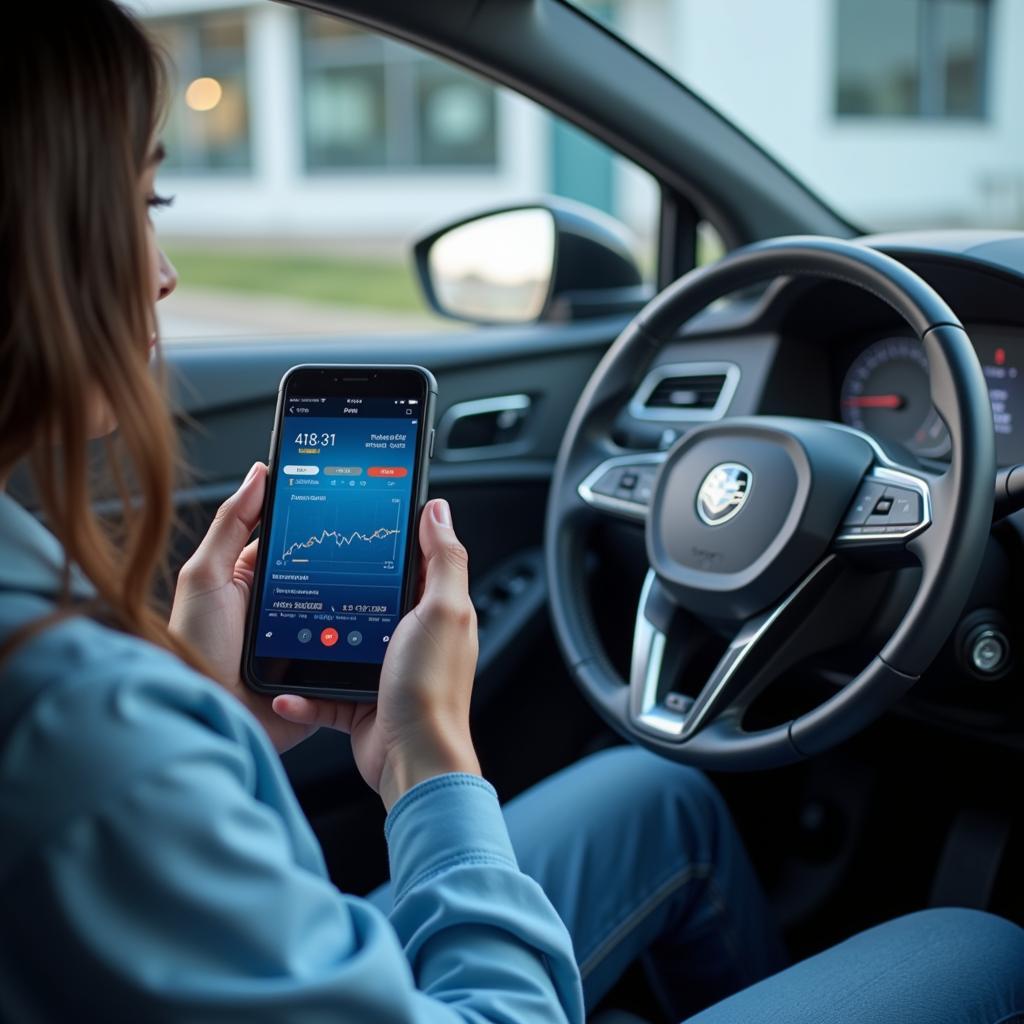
point(163, 276)
point(163, 279)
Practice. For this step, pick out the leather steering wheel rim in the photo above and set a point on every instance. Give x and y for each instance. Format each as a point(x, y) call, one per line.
point(949, 550)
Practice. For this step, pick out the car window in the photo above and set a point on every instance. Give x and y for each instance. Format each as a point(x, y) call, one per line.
point(306, 155)
point(899, 113)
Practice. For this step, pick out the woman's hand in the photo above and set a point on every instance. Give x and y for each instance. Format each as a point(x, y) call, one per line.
point(419, 726)
point(212, 596)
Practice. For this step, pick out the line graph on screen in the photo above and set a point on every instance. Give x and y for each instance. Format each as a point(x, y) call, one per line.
point(349, 533)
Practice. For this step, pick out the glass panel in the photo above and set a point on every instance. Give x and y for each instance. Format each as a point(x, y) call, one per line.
point(345, 117)
point(222, 32)
point(960, 37)
point(374, 104)
point(878, 57)
point(224, 128)
point(207, 125)
point(904, 77)
point(316, 26)
point(456, 117)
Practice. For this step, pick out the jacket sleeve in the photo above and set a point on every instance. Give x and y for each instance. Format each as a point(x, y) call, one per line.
point(180, 898)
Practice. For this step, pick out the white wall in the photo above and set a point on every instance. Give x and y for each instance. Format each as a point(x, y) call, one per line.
point(771, 68)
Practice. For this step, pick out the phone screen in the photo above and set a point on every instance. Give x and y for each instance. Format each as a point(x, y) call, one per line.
point(337, 540)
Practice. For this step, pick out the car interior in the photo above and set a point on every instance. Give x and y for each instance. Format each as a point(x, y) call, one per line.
point(877, 773)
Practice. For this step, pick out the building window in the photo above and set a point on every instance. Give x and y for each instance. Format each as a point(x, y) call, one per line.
point(208, 118)
point(373, 103)
point(912, 58)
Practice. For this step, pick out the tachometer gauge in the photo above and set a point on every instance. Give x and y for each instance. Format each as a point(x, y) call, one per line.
point(885, 393)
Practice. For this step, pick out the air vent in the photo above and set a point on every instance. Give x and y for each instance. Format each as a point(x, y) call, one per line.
point(686, 391)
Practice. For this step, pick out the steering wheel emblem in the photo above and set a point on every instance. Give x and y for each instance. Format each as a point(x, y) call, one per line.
point(723, 492)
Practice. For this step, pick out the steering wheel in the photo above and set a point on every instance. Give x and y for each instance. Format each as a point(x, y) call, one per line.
point(769, 530)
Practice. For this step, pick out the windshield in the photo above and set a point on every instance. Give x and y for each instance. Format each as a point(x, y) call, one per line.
point(898, 113)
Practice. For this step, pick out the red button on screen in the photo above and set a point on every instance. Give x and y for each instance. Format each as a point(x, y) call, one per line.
point(329, 637)
point(387, 471)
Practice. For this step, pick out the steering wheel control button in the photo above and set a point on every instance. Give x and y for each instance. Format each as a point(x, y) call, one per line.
point(627, 483)
point(886, 509)
point(905, 508)
point(645, 485)
point(609, 483)
point(865, 503)
point(623, 484)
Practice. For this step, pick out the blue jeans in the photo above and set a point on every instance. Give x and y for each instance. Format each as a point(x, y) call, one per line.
point(641, 859)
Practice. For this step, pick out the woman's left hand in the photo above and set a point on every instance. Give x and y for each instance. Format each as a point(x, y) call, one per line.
point(212, 596)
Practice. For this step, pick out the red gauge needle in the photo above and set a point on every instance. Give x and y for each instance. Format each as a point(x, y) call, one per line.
point(875, 401)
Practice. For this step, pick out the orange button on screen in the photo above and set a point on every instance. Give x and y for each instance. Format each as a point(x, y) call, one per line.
point(387, 471)
point(329, 637)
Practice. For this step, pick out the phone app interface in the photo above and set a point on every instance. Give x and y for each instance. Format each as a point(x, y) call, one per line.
point(338, 537)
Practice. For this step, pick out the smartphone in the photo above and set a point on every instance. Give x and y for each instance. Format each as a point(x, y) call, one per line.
point(338, 554)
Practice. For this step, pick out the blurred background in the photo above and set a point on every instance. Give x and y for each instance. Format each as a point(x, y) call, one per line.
point(306, 155)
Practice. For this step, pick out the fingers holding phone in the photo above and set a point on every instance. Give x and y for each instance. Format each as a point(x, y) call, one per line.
point(419, 727)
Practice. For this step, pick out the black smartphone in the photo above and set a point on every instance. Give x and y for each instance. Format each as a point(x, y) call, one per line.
point(338, 551)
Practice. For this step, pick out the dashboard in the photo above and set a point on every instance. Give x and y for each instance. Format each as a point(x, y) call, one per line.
point(883, 390)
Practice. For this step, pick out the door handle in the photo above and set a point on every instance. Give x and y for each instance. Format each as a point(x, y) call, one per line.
point(484, 428)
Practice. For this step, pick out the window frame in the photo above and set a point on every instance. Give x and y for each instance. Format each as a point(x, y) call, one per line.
point(400, 64)
point(930, 77)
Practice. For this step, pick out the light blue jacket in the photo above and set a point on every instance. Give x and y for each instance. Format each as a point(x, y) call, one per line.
point(155, 864)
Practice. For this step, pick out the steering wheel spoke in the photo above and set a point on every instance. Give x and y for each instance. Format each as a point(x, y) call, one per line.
point(892, 506)
point(748, 665)
point(622, 486)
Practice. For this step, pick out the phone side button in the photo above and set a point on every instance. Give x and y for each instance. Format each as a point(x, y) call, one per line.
point(433, 437)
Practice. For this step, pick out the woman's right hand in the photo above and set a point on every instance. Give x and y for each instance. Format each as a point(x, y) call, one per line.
point(419, 726)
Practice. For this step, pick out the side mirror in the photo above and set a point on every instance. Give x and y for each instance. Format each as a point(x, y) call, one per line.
point(552, 261)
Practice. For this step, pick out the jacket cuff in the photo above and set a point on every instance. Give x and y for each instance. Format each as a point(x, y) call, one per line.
point(442, 823)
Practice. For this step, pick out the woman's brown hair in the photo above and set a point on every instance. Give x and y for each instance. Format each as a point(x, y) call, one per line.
point(81, 96)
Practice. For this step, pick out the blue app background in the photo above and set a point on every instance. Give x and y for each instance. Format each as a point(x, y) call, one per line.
point(336, 550)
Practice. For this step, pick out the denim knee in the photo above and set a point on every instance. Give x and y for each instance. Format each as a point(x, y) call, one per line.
point(663, 790)
point(984, 947)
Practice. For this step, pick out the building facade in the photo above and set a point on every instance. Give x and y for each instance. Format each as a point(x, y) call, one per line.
point(286, 124)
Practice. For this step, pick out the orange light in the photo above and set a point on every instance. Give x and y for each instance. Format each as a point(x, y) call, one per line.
point(203, 94)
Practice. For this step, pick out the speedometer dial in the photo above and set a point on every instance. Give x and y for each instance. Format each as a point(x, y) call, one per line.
point(885, 393)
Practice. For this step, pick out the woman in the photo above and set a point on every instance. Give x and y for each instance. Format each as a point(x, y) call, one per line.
point(155, 864)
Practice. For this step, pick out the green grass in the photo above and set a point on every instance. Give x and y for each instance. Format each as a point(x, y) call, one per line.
point(314, 277)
